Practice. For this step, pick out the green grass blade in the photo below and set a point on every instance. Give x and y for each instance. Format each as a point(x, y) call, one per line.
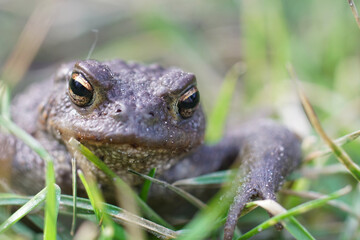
point(187, 196)
point(19, 227)
point(291, 224)
point(216, 121)
point(27, 139)
point(297, 230)
point(38, 221)
point(50, 205)
point(210, 218)
point(91, 196)
point(305, 207)
point(146, 186)
point(120, 215)
point(5, 100)
point(219, 177)
point(74, 186)
point(25, 209)
point(12, 199)
point(334, 203)
point(97, 203)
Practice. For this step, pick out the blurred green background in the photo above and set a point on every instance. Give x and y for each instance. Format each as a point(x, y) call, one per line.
point(208, 37)
point(319, 38)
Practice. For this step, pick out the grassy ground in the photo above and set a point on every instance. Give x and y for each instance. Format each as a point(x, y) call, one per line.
point(208, 37)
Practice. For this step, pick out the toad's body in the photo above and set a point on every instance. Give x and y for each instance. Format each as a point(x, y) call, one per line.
point(134, 116)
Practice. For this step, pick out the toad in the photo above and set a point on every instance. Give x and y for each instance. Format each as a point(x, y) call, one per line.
point(139, 117)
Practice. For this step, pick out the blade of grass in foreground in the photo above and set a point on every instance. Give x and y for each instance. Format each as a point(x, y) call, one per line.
point(86, 211)
point(297, 230)
point(334, 203)
point(29, 206)
point(340, 154)
point(215, 178)
point(119, 215)
point(51, 205)
point(74, 186)
point(38, 222)
point(96, 201)
point(187, 196)
point(118, 181)
point(25, 209)
point(146, 186)
point(25, 231)
point(305, 207)
point(209, 218)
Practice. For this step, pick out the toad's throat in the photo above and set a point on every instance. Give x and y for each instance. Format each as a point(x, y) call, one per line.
point(120, 157)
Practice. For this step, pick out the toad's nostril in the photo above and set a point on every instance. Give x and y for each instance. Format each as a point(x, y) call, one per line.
point(151, 114)
point(118, 110)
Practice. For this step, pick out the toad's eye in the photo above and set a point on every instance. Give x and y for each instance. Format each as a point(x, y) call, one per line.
point(188, 102)
point(80, 90)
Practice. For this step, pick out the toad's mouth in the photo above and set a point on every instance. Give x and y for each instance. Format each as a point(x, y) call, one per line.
point(139, 143)
point(133, 151)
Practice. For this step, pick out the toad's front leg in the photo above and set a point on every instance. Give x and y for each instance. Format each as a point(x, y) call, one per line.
point(268, 153)
point(264, 153)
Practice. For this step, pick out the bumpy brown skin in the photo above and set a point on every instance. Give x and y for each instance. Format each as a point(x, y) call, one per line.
point(133, 122)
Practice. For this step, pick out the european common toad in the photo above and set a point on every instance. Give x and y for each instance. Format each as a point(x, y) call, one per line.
point(138, 117)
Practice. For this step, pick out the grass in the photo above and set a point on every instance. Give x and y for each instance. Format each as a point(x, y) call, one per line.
point(291, 224)
point(320, 38)
point(52, 199)
point(199, 228)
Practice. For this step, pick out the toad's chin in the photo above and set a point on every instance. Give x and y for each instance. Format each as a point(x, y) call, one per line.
point(131, 156)
point(120, 158)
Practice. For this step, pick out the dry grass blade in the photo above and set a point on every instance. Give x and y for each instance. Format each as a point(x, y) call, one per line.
point(355, 12)
point(340, 141)
point(29, 42)
point(315, 172)
point(341, 155)
point(348, 138)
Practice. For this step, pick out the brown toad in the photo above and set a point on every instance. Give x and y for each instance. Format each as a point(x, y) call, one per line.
point(138, 117)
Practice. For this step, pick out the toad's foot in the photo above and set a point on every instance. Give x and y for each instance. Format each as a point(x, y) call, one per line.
point(245, 194)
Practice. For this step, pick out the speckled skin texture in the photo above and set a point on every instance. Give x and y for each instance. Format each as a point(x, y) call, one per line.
point(133, 122)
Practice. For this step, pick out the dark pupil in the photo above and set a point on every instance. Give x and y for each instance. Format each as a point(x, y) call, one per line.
point(191, 101)
point(79, 89)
